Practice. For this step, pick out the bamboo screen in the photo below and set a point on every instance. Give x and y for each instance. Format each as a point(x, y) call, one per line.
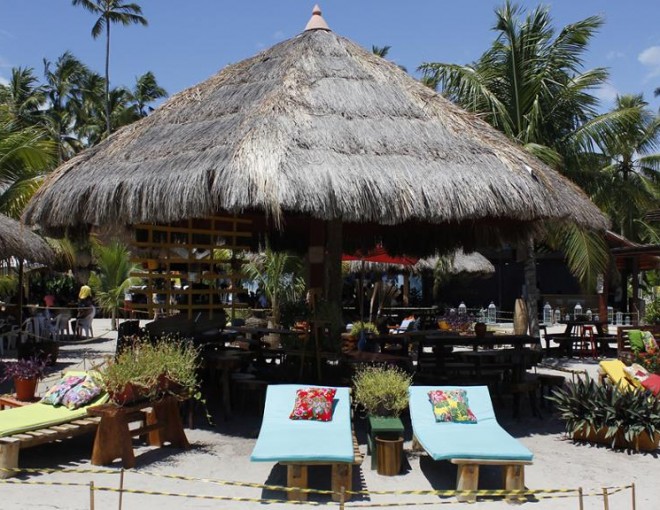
point(189, 267)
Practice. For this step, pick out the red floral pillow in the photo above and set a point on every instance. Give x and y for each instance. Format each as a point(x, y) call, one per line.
point(652, 383)
point(313, 404)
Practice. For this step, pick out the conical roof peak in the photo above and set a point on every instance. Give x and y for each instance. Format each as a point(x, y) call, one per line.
point(316, 22)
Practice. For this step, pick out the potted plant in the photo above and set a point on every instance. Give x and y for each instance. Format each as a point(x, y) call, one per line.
point(26, 374)
point(361, 333)
point(382, 390)
point(151, 370)
point(605, 414)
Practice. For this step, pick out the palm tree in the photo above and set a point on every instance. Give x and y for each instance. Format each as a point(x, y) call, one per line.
point(109, 12)
point(146, 91)
point(63, 79)
point(627, 182)
point(113, 278)
point(278, 274)
point(26, 155)
point(530, 85)
point(24, 98)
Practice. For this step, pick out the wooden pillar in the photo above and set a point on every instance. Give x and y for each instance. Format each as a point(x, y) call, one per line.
point(316, 260)
point(406, 289)
point(635, 291)
point(532, 295)
point(20, 293)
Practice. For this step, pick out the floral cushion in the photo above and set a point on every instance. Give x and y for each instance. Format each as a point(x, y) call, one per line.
point(56, 393)
point(636, 374)
point(82, 394)
point(313, 404)
point(451, 405)
point(652, 383)
point(650, 344)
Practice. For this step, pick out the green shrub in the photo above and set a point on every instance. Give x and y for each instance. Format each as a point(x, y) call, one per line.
point(382, 390)
point(585, 405)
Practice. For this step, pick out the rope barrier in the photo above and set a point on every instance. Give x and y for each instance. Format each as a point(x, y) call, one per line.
point(520, 495)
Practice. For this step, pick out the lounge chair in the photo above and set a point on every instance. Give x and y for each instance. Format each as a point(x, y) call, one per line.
point(35, 424)
point(301, 443)
point(468, 445)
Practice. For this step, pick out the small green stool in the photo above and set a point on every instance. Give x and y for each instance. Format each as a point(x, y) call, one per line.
point(381, 425)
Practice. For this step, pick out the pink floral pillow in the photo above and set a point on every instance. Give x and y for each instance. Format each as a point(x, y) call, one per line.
point(56, 393)
point(451, 405)
point(313, 404)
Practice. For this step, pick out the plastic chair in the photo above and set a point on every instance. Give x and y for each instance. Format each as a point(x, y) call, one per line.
point(30, 328)
point(11, 336)
point(62, 325)
point(84, 324)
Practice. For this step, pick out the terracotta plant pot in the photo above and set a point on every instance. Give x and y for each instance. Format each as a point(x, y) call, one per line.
point(25, 389)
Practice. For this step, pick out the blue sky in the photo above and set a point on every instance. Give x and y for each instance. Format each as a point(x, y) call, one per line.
point(188, 41)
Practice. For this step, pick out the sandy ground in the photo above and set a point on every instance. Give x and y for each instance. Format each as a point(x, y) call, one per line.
point(221, 454)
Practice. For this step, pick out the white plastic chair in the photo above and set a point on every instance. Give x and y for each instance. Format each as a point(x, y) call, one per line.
point(30, 328)
point(62, 325)
point(84, 324)
point(11, 336)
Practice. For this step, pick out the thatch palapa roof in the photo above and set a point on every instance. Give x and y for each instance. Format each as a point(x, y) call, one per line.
point(17, 240)
point(314, 126)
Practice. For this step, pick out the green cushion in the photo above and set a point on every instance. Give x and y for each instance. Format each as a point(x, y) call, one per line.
point(636, 341)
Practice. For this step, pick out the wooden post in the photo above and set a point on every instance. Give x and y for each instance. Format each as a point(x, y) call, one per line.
point(342, 494)
point(634, 498)
point(467, 479)
point(121, 487)
point(580, 499)
point(91, 495)
point(296, 476)
point(20, 293)
point(606, 499)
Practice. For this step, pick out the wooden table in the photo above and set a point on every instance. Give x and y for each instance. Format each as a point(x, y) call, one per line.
point(224, 362)
point(161, 423)
point(12, 401)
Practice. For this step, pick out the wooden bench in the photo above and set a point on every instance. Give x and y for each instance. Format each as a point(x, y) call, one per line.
point(623, 350)
point(342, 475)
point(11, 445)
point(161, 422)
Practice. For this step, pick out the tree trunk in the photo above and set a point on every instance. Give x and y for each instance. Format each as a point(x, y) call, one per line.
point(107, 75)
point(531, 296)
point(113, 320)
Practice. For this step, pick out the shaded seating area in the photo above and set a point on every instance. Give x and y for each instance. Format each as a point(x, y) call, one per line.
point(300, 443)
point(468, 445)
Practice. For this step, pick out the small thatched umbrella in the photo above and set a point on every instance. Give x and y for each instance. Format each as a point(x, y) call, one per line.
point(19, 242)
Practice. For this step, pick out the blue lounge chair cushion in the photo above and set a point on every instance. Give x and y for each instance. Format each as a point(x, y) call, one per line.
point(485, 439)
point(284, 440)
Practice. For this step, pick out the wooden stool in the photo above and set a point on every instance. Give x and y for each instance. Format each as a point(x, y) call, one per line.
point(549, 381)
point(528, 386)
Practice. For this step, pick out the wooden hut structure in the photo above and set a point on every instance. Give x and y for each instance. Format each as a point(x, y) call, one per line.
point(320, 145)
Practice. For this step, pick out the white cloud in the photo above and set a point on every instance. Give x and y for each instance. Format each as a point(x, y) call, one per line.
point(4, 62)
point(606, 92)
point(650, 58)
point(615, 54)
point(4, 81)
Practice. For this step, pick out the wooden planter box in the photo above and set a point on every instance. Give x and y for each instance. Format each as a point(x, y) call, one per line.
point(641, 443)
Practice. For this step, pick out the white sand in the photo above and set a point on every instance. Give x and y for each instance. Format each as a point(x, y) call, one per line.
point(222, 453)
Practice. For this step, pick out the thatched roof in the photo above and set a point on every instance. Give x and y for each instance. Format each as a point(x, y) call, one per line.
point(458, 263)
point(17, 240)
point(314, 126)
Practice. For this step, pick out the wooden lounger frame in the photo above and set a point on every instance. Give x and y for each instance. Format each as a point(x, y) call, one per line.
point(10, 445)
point(342, 475)
point(467, 477)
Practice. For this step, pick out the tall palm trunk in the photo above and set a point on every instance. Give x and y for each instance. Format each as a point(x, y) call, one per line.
point(107, 76)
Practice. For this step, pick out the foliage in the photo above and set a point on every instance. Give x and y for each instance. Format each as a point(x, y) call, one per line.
point(8, 285)
point(585, 405)
point(382, 390)
point(652, 315)
point(293, 311)
point(530, 85)
point(650, 360)
point(359, 327)
point(146, 363)
point(278, 274)
point(62, 286)
point(113, 278)
point(32, 368)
